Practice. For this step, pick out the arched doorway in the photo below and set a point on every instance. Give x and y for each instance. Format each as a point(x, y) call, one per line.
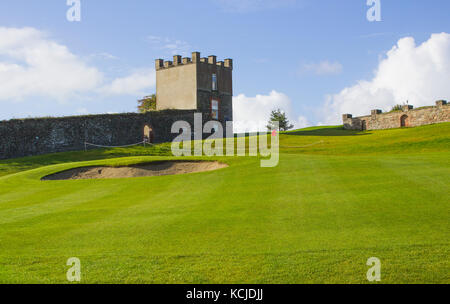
point(363, 125)
point(149, 134)
point(404, 121)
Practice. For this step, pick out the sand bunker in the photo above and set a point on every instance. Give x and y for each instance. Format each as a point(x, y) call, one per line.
point(149, 169)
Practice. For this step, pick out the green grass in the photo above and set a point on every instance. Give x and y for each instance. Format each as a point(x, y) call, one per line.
point(336, 199)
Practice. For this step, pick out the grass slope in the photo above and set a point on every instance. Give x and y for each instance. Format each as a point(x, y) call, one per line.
point(336, 199)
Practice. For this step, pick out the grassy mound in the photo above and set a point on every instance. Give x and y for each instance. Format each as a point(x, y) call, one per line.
point(336, 199)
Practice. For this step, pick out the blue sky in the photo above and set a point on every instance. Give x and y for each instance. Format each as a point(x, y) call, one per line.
point(299, 55)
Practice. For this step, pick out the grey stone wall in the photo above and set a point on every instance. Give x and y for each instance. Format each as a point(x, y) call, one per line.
point(28, 137)
point(407, 117)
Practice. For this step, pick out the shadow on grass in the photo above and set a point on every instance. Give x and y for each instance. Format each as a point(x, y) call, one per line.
point(327, 131)
point(13, 165)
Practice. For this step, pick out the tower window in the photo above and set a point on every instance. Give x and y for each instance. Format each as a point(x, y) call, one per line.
point(214, 82)
point(215, 109)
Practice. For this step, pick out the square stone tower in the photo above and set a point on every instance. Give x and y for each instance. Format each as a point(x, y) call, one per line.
point(202, 84)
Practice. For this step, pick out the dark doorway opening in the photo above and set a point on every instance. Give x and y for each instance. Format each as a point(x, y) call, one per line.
point(149, 135)
point(404, 121)
point(363, 125)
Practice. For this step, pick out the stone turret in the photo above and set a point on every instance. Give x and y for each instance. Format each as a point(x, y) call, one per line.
point(197, 83)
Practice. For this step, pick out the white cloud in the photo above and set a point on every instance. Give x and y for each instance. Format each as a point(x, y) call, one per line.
point(172, 46)
point(35, 65)
point(301, 122)
point(252, 113)
point(373, 35)
point(104, 55)
point(32, 65)
point(419, 74)
point(323, 68)
point(135, 84)
point(82, 111)
point(243, 6)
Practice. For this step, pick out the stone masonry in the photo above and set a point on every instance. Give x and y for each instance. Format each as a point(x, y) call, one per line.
point(184, 86)
point(407, 117)
point(26, 137)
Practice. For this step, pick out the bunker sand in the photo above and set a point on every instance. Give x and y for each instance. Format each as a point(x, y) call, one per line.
point(149, 169)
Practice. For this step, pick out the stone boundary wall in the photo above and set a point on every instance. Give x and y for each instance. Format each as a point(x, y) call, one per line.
point(407, 117)
point(27, 137)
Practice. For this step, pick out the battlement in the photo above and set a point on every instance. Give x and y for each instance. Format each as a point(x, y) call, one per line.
point(160, 64)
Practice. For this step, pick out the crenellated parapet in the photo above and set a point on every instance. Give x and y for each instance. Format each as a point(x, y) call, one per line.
point(160, 64)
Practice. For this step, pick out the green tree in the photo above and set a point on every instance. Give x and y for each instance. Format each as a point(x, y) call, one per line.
point(278, 115)
point(397, 108)
point(146, 104)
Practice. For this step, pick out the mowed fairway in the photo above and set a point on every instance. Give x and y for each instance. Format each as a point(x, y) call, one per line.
point(336, 199)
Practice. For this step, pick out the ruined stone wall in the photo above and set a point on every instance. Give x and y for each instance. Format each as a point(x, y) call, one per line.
point(28, 137)
point(407, 117)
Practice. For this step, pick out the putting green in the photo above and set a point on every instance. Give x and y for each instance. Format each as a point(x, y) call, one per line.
point(336, 199)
